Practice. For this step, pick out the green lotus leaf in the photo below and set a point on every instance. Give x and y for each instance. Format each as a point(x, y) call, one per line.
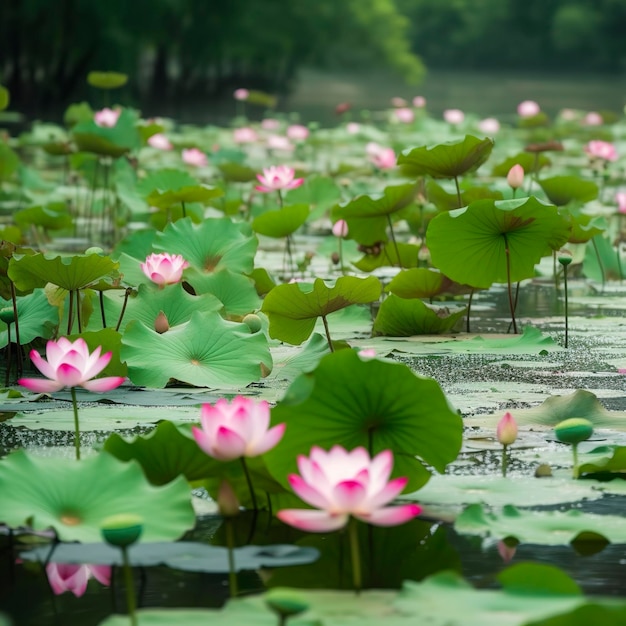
point(236, 292)
point(583, 228)
point(421, 282)
point(611, 268)
point(263, 282)
point(368, 216)
point(612, 466)
point(375, 404)
point(205, 351)
point(236, 172)
point(385, 255)
point(529, 162)
point(52, 216)
point(196, 193)
point(5, 98)
point(294, 308)
point(107, 80)
point(110, 341)
point(9, 161)
point(108, 141)
point(282, 222)
point(445, 201)
point(537, 578)
point(74, 497)
point(591, 613)
point(165, 179)
point(562, 190)
point(289, 364)
point(164, 454)
point(318, 192)
point(137, 245)
point(470, 244)
point(446, 160)
point(70, 273)
point(77, 113)
point(36, 318)
point(213, 245)
point(400, 317)
point(547, 528)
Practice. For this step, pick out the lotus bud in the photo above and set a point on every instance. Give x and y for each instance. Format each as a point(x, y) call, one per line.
point(161, 323)
point(340, 228)
point(506, 551)
point(286, 602)
point(335, 258)
point(506, 431)
point(515, 177)
point(122, 530)
point(564, 257)
point(253, 322)
point(227, 502)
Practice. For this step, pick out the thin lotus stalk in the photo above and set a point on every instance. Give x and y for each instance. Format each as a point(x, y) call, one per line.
point(327, 330)
point(566, 303)
point(619, 262)
point(341, 265)
point(184, 208)
point(102, 313)
point(105, 199)
point(16, 321)
point(505, 459)
point(353, 533)
point(508, 281)
point(602, 273)
point(459, 199)
point(249, 481)
point(8, 357)
point(230, 543)
point(126, 296)
point(575, 466)
point(92, 196)
point(78, 318)
point(70, 312)
point(469, 308)
point(76, 424)
point(131, 603)
point(515, 300)
point(393, 239)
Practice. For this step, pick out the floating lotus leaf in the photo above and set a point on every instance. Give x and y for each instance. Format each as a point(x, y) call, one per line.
point(294, 308)
point(108, 141)
point(164, 199)
point(36, 318)
point(530, 163)
point(445, 201)
point(562, 190)
point(538, 578)
point(205, 351)
point(469, 244)
point(107, 80)
point(213, 245)
point(282, 222)
point(421, 282)
point(368, 216)
point(70, 273)
point(375, 404)
point(74, 497)
point(548, 528)
point(189, 556)
point(53, 216)
point(164, 454)
point(446, 160)
point(385, 255)
point(400, 317)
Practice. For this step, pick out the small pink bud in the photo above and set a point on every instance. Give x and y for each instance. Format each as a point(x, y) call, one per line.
point(161, 323)
point(506, 552)
point(241, 94)
point(419, 102)
point(340, 228)
point(506, 431)
point(620, 198)
point(515, 177)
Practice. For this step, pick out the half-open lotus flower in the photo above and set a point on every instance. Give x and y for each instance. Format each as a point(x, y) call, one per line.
point(604, 150)
point(277, 178)
point(69, 577)
point(195, 157)
point(164, 268)
point(341, 484)
point(160, 142)
point(107, 118)
point(70, 364)
point(236, 429)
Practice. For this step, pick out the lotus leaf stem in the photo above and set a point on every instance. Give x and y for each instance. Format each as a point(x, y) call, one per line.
point(566, 304)
point(508, 281)
point(230, 543)
point(17, 328)
point(469, 309)
point(76, 425)
point(249, 481)
point(130, 587)
point(353, 532)
point(327, 330)
point(458, 192)
point(595, 247)
point(102, 313)
point(505, 458)
point(575, 467)
point(393, 239)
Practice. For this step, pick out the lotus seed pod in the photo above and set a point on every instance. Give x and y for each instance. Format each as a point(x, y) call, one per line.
point(573, 430)
point(286, 602)
point(564, 257)
point(122, 530)
point(253, 322)
point(543, 470)
point(7, 315)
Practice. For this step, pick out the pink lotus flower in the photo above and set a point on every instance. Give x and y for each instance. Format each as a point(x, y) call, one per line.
point(506, 431)
point(515, 177)
point(107, 118)
point(297, 132)
point(236, 429)
point(241, 94)
point(164, 268)
point(340, 484)
point(340, 228)
point(70, 364)
point(489, 126)
point(506, 552)
point(398, 102)
point(270, 123)
point(353, 128)
point(276, 142)
point(405, 115)
point(419, 102)
point(160, 142)
point(245, 135)
point(382, 158)
point(68, 577)
point(453, 116)
point(593, 119)
point(599, 149)
point(195, 157)
point(569, 115)
point(277, 178)
point(528, 108)
point(620, 198)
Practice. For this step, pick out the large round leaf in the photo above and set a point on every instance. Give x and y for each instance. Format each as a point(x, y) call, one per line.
point(164, 199)
point(213, 245)
point(379, 405)
point(368, 216)
point(107, 80)
point(108, 141)
point(469, 244)
point(562, 190)
point(205, 351)
point(446, 160)
point(293, 308)
point(74, 497)
point(281, 222)
point(36, 318)
point(422, 282)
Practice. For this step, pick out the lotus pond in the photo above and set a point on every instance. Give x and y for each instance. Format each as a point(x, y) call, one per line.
point(276, 374)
